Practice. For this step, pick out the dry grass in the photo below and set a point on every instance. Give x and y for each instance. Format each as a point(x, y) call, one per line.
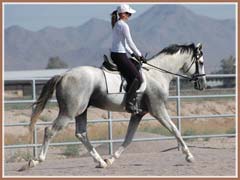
point(99, 131)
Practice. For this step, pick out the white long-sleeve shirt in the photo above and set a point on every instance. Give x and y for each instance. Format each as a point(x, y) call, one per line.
point(122, 40)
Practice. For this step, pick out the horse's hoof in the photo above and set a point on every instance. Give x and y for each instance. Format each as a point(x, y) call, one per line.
point(190, 158)
point(31, 163)
point(109, 161)
point(102, 165)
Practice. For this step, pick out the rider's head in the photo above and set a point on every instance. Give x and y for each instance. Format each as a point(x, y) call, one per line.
point(124, 11)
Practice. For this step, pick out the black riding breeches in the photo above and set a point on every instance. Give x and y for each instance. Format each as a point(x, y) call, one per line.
point(127, 69)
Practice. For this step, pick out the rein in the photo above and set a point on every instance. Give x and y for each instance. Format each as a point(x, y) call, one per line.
point(193, 78)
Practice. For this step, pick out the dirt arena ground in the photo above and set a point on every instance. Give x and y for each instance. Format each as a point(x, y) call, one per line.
point(213, 157)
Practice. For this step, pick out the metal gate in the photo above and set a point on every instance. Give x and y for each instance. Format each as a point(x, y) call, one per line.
point(110, 120)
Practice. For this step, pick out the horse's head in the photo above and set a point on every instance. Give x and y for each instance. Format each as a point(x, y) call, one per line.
point(195, 68)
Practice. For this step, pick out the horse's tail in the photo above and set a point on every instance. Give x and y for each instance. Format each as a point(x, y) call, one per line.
point(45, 95)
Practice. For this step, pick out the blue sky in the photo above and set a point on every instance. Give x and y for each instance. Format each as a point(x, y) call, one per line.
point(37, 16)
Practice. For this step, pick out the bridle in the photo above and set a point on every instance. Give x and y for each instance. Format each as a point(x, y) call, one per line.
point(196, 60)
point(194, 78)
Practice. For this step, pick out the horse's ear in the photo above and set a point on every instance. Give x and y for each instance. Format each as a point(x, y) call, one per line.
point(199, 46)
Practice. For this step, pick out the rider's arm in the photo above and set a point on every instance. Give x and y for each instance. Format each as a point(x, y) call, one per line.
point(128, 48)
point(129, 40)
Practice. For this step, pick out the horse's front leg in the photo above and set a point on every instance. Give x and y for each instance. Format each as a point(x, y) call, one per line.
point(160, 113)
point(132, 127)
point(81, 134)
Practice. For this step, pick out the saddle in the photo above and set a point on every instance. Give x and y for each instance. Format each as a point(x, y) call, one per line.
point(114, 81)
point(109, 65)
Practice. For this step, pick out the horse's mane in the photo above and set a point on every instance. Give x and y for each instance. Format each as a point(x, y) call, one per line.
point(174, 48)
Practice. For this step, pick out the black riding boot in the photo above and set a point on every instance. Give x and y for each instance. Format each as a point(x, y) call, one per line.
point(132, 104)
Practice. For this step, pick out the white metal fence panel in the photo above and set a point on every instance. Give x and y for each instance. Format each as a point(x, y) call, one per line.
point(110, 121)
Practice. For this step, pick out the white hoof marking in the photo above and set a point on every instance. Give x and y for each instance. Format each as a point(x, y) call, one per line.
point(102, 165)
point(190, 158)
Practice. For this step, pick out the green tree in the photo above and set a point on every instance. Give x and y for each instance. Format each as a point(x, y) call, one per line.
point(56, 63)
point(228, 66)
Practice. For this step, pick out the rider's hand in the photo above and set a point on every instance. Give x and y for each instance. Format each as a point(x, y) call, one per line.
point(135, 56)
point(143, 59)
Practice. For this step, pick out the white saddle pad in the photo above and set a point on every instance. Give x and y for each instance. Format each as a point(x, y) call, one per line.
point(114, 83)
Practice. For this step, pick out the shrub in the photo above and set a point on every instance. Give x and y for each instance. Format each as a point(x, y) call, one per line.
point(71, 151)
point(189, 132)
point(231, 131)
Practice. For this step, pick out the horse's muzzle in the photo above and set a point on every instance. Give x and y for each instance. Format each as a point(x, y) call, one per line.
point(200, 83)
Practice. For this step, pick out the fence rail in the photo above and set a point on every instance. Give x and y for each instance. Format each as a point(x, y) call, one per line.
point(110, 121)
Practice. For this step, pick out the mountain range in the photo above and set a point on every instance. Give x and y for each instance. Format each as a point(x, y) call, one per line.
point(156, 28)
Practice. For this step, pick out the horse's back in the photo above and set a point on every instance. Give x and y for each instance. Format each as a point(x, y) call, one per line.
point(81, 70)
point(82, 75)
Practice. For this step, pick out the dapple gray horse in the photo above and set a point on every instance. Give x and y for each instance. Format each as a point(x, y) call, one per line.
point(81, 87)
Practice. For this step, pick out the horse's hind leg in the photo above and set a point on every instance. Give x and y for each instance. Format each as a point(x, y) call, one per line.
point(59, 123)
point(132, 127)
point(161, 114)
point(81, 134)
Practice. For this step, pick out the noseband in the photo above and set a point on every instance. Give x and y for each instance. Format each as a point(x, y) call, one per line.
point(196, 74)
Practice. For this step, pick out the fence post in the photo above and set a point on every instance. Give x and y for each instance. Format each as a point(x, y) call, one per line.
point(179, 108)
point(35, 152)
point(35, 129)
point(110, 132)
point(34, 89)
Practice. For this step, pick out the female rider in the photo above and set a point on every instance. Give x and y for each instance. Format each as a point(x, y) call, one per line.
point(121, 43)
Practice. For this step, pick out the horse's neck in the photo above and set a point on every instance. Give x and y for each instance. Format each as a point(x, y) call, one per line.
point(171, 63)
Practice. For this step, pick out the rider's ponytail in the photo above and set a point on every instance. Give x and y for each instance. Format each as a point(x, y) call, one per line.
point(114, 18)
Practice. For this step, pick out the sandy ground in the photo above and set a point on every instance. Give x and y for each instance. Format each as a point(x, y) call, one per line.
point(215, 157)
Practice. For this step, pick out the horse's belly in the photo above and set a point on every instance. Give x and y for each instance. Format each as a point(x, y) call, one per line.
point(112, 102)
